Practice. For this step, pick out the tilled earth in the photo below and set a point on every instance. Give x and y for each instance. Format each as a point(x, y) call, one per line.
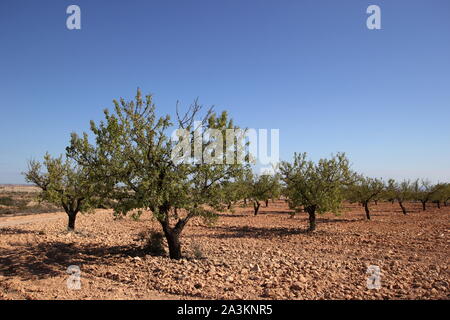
point(243, 257)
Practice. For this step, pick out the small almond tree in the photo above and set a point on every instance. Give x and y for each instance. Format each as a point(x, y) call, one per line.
point(446, 197)
point(364, 190)
point(316, 187)
point(441, 195)
point(65, 184)
point(275, 190)
point(262, 188)
point(230, 193)
point(133, 151)
point(425, 191)
point(401, 192)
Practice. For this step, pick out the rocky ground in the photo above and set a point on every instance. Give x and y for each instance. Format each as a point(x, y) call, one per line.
point(244, 257)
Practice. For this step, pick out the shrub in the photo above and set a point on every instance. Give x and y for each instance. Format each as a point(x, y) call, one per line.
point(153, 243)
point(136, 215)
point(197, 250)
point(6, 201)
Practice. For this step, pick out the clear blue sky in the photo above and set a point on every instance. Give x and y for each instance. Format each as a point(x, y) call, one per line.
point(310, 68)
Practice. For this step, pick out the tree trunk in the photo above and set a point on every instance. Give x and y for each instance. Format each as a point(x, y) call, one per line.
point(245, 201)
point(403, 207)
point(173, 241)
point(256, 206)
point(366, 208)
point(424, 205)
point(376, 202)
point(438, 204)
point(172, 234)
point(72, 218)
point(267, 203)
point(312, 218)
point(229, 206)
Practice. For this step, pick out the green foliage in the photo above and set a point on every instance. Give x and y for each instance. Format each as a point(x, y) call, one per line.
point(365, 189)
point(64, 183)
point(197, 250)
point(400, 191)
point(153, 243)
point(262, 188)
point(316, 187)
point(424, 191)
point(7, 201)
point(136, 215)
point(133, 154)
point(441, 194)
point(230, 193)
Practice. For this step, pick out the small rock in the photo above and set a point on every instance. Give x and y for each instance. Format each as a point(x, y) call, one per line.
point(296, 286)
point(255, 268)
point(198, 285)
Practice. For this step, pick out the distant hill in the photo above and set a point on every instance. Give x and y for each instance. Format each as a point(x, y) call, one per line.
point(18, 188)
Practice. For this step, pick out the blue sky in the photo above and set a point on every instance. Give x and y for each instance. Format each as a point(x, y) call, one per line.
point(309, 68)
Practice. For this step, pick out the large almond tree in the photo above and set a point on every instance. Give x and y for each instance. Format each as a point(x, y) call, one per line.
point(134, 152)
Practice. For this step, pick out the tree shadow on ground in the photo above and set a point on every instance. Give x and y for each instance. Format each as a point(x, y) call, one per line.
point(263, 212)
point(339, 220)
point(255, 232)
point(232, 215)
point(13, 231)
point(44, 260)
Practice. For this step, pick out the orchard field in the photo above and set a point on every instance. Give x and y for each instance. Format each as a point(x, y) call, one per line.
point(240, 256)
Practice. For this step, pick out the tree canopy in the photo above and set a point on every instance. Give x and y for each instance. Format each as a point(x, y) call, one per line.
point(316, 187)
point(365, 189)
point(134, 153)
point(66, 184)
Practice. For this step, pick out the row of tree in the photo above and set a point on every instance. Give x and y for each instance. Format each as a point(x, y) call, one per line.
point(129, 163)
point(322, 187)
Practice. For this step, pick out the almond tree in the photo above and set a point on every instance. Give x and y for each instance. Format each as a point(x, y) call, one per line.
point(441, 195)
point(230, 193)
point(316, 187)
point(403, 191)
point(425, 191)
point(446, 197)
point(364, 190)
point(275, 190)
point(65, 184)
point(262, 188)
point(134, 153)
